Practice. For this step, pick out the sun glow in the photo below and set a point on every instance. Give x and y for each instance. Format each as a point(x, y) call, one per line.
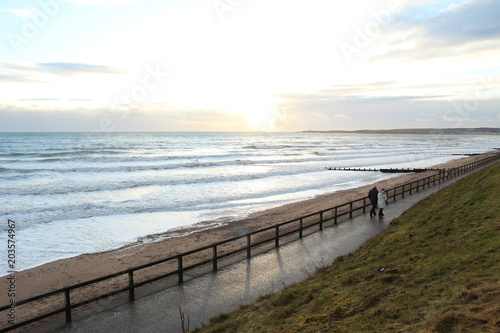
point(260, 113)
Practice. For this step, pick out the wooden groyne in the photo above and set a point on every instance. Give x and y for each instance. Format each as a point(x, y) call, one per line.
point(449, 154)
point(385, 170)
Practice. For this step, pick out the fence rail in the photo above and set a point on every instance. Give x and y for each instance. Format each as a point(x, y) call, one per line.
point(271, 234)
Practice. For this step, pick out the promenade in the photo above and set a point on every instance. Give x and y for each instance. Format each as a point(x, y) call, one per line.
point(207, 293)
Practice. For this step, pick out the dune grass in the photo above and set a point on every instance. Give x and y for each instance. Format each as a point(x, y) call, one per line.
point(434, 269)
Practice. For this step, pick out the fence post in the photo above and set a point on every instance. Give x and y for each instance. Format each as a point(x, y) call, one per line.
point(320, 221)
point(67, 305)
point(249, 247)
point(131, 291)
point(214, 258)
point(350, 210)
point(277, 240)
point(403, 192)
point(364, 205)
point(180, 268)
point(335, 216)
point(300, 229)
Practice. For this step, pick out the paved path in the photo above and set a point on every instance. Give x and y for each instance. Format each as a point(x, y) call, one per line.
point(243, 282)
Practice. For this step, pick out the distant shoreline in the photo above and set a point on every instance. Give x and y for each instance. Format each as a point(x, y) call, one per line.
point(456, 131)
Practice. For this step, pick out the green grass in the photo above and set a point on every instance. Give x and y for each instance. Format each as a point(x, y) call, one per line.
point(434, 269)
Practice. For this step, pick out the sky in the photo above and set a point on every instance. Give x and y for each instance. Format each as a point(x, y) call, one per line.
point(248, 65)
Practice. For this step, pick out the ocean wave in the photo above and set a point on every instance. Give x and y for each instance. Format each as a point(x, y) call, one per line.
point(54, 211)
point(192, 168)
point(104, 168)
point(16, 154)
point(270, 147)
point(78, 153)
point(85, 186)
point(61, 153)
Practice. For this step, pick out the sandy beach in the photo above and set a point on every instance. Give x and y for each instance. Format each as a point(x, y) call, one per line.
point(62, 273)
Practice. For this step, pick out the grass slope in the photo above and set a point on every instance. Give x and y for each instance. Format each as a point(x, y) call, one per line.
point(434, 269)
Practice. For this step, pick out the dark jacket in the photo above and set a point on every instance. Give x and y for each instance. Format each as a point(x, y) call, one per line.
point(373, 195)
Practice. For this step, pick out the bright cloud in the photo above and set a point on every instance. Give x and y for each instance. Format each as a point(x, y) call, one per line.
point(105, 3)
point(25, 12)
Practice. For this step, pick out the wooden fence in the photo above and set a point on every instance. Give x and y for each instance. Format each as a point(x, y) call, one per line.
point(69, 299)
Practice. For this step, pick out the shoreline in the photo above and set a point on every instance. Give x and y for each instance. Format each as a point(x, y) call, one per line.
point(70, 271)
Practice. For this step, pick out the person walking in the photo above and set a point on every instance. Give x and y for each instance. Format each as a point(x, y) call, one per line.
point(382, 202)
point(373, 197)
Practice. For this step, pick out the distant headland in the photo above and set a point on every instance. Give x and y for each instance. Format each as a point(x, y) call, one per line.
point(480, 130)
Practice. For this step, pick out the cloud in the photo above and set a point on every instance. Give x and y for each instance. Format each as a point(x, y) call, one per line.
point(16, 78)
point(441, 30)
point(367, 92)
point(56, 99)
point(25, 12)
point(317, 111)
point(105, 3)
point(141, 117)
point(329, 111)
point(71, 69)
point(16, 72)
point(472, 21)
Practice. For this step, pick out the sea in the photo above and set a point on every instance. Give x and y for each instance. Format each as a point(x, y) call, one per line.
point(76, 193)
